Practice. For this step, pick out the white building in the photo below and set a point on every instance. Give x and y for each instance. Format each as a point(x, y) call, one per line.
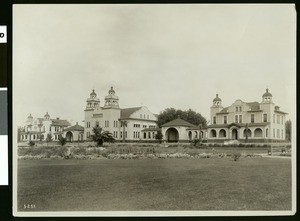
point(255, 121)
point(124, 124)
point(37, 129)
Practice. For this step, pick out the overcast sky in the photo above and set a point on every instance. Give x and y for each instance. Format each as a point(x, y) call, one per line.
point(157, 56)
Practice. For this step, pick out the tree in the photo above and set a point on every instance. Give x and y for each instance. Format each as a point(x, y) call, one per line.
point(101, 136)
point(189, 115)
point(288, 130)
point(49, 138)
point(62, 140)
point(159, 136)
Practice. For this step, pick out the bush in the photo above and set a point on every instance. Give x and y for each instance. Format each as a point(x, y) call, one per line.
point(62, 140)
point(31, 143)
point(236, 156)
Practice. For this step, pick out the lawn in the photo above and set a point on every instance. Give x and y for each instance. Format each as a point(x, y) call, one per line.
point(155, 184)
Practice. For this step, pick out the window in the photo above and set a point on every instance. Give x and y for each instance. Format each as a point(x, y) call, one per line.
point(153, 135)
point(116, 134)
point(236, 109)
point(240, 118)
point(267, 132)
point(274, 118)
point(141, 116)
point(116, 123)
point(265, 116)
point(144, 116)
point(149, 135)
point(281, 119)
point(88, 124)
point(252, 118)
point(240, 108)
point(133, 134)
point(236, 118)
point(97, 124)
point(273, 133)
point(225, 119)
point(214, 120)
point(147, 116)
point(125, 134)
point(144, 126)
point(278, 119)
point(87, 134)
point(281, 133)
point(278, 133)
point(121, 134)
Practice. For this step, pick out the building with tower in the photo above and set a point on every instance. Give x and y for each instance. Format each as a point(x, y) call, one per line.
point(37, 129)
point(125, 124)
point(247, 121)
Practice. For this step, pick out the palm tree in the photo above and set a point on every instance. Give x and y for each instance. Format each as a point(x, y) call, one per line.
point(101, 136)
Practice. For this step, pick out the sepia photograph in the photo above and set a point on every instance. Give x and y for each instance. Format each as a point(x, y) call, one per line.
point(154, 109)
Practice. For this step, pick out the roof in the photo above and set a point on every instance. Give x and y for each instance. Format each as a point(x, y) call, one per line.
point(267, 93)
point(254, 106)
point(217, 98)
point(75, 128)
point(280, 112)
point(223, 111)
point(178, 122)
point(126, 112)
point(151, 129)
point(58, 122)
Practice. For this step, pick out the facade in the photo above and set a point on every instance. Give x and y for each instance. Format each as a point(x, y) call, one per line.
point(74, 133)
point(179, 130)
point(36, 129)
point(125, 124)
point(247, 121)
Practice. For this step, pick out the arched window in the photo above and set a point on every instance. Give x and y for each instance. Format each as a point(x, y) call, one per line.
point(213, 133)
point(258, 132)
point(222, 133)
point(247, 132)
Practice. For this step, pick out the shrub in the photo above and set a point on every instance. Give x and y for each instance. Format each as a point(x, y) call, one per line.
point(62, 140)
point(31, 143)
point(236, 156)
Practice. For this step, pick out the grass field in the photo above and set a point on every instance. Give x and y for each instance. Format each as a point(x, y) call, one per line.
point(155, 184)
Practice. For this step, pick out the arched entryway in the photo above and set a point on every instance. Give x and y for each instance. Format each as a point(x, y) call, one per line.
point(69, 136)
point(258, 132)
point(222, 133)
point(213, 133)
point(234, 133)
point(172, 135)
point(190, 135)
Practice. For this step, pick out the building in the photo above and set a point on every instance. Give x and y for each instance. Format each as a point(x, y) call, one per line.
point(74, 133)
point(247, 121)
point(179, 130)
point(37, 129)
point(125, 124)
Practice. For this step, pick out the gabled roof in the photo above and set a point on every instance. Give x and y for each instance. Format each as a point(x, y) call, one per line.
point(75, 128)
point(178, 122)
point(126, 112)
point(254, 106)
point(58, 122)
point(223, 111)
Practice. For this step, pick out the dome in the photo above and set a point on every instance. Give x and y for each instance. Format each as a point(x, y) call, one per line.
point(217, 98)
point(111, 91)
point(267, 93)
point(93, 93)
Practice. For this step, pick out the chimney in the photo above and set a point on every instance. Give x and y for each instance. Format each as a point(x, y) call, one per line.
point(57, 118)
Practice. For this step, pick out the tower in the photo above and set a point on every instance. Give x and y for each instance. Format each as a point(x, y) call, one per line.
point(92, 102)
point(47, 116)
point(111, 100)
point(29, 119)
point(215, 108)
point(267, 97)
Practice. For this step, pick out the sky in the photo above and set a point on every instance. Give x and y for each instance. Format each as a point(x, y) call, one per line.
point(158, 56)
